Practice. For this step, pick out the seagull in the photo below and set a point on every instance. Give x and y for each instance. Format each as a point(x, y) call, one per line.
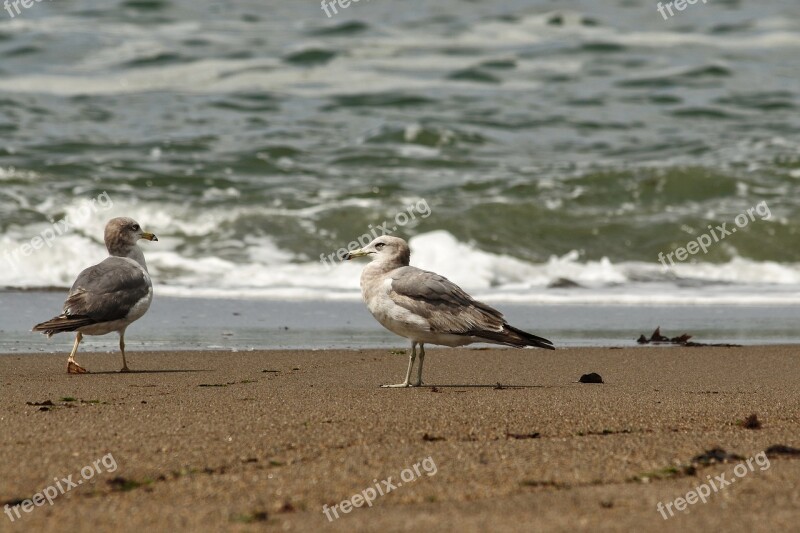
point(108, 296)
point(428, 308)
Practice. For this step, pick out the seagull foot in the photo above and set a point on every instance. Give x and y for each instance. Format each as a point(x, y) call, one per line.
point(397, 386)
point(75, 368)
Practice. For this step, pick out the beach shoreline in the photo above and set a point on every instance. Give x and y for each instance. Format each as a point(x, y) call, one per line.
point(227, 324)
point(270, 437)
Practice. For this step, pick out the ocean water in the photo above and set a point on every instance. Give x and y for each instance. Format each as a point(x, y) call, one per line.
point(534, 152)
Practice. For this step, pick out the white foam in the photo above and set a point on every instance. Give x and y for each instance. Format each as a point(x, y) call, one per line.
point(263, 270)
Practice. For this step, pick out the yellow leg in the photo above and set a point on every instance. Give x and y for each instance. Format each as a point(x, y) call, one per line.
point(72, 366)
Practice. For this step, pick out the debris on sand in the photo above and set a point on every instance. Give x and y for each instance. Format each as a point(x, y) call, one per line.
point(593, 377)
point(707, 458)
point(715, 455)
point(683, 340)
point(751, 422)
point(519, 436)
point(781, 449)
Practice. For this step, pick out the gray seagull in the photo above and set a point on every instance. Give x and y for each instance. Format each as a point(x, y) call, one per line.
point(110, 295)
point(428, 308)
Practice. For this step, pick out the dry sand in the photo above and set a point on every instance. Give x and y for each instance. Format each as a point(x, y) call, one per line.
point(220, 441)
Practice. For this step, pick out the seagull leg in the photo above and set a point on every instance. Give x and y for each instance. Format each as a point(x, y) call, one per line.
point(419, 367)
point(72, 366)
point(122, 349)
point(407, 382)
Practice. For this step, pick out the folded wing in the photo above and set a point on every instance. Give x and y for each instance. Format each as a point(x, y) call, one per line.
point(102, 293)
point(448, 309)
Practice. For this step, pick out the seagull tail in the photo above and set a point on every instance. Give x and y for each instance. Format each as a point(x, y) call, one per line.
point(61, 324)
point(511, 336)
point(530, 339)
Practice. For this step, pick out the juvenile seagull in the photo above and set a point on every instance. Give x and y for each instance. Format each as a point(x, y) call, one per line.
point(428, 308)
point(108, 296)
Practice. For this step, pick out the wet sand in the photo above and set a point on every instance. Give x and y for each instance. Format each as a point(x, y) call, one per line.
point(262, 440)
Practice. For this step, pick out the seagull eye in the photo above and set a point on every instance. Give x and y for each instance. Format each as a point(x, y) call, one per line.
point(380, 245)
point(135, 227)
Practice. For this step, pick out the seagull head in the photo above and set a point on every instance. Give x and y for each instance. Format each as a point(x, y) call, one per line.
point(393, 251)
point(122, 233)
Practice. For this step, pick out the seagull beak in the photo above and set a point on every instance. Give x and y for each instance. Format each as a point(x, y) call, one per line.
point(149, 236)
point(356, 253)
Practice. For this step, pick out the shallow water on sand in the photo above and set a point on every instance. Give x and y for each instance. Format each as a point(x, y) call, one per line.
point(239, 325)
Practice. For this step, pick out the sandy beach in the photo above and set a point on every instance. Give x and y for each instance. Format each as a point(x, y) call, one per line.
point(263, 440)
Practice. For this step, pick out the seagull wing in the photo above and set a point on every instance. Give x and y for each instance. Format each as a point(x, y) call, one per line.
point(107, 291)
point(446, 307)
